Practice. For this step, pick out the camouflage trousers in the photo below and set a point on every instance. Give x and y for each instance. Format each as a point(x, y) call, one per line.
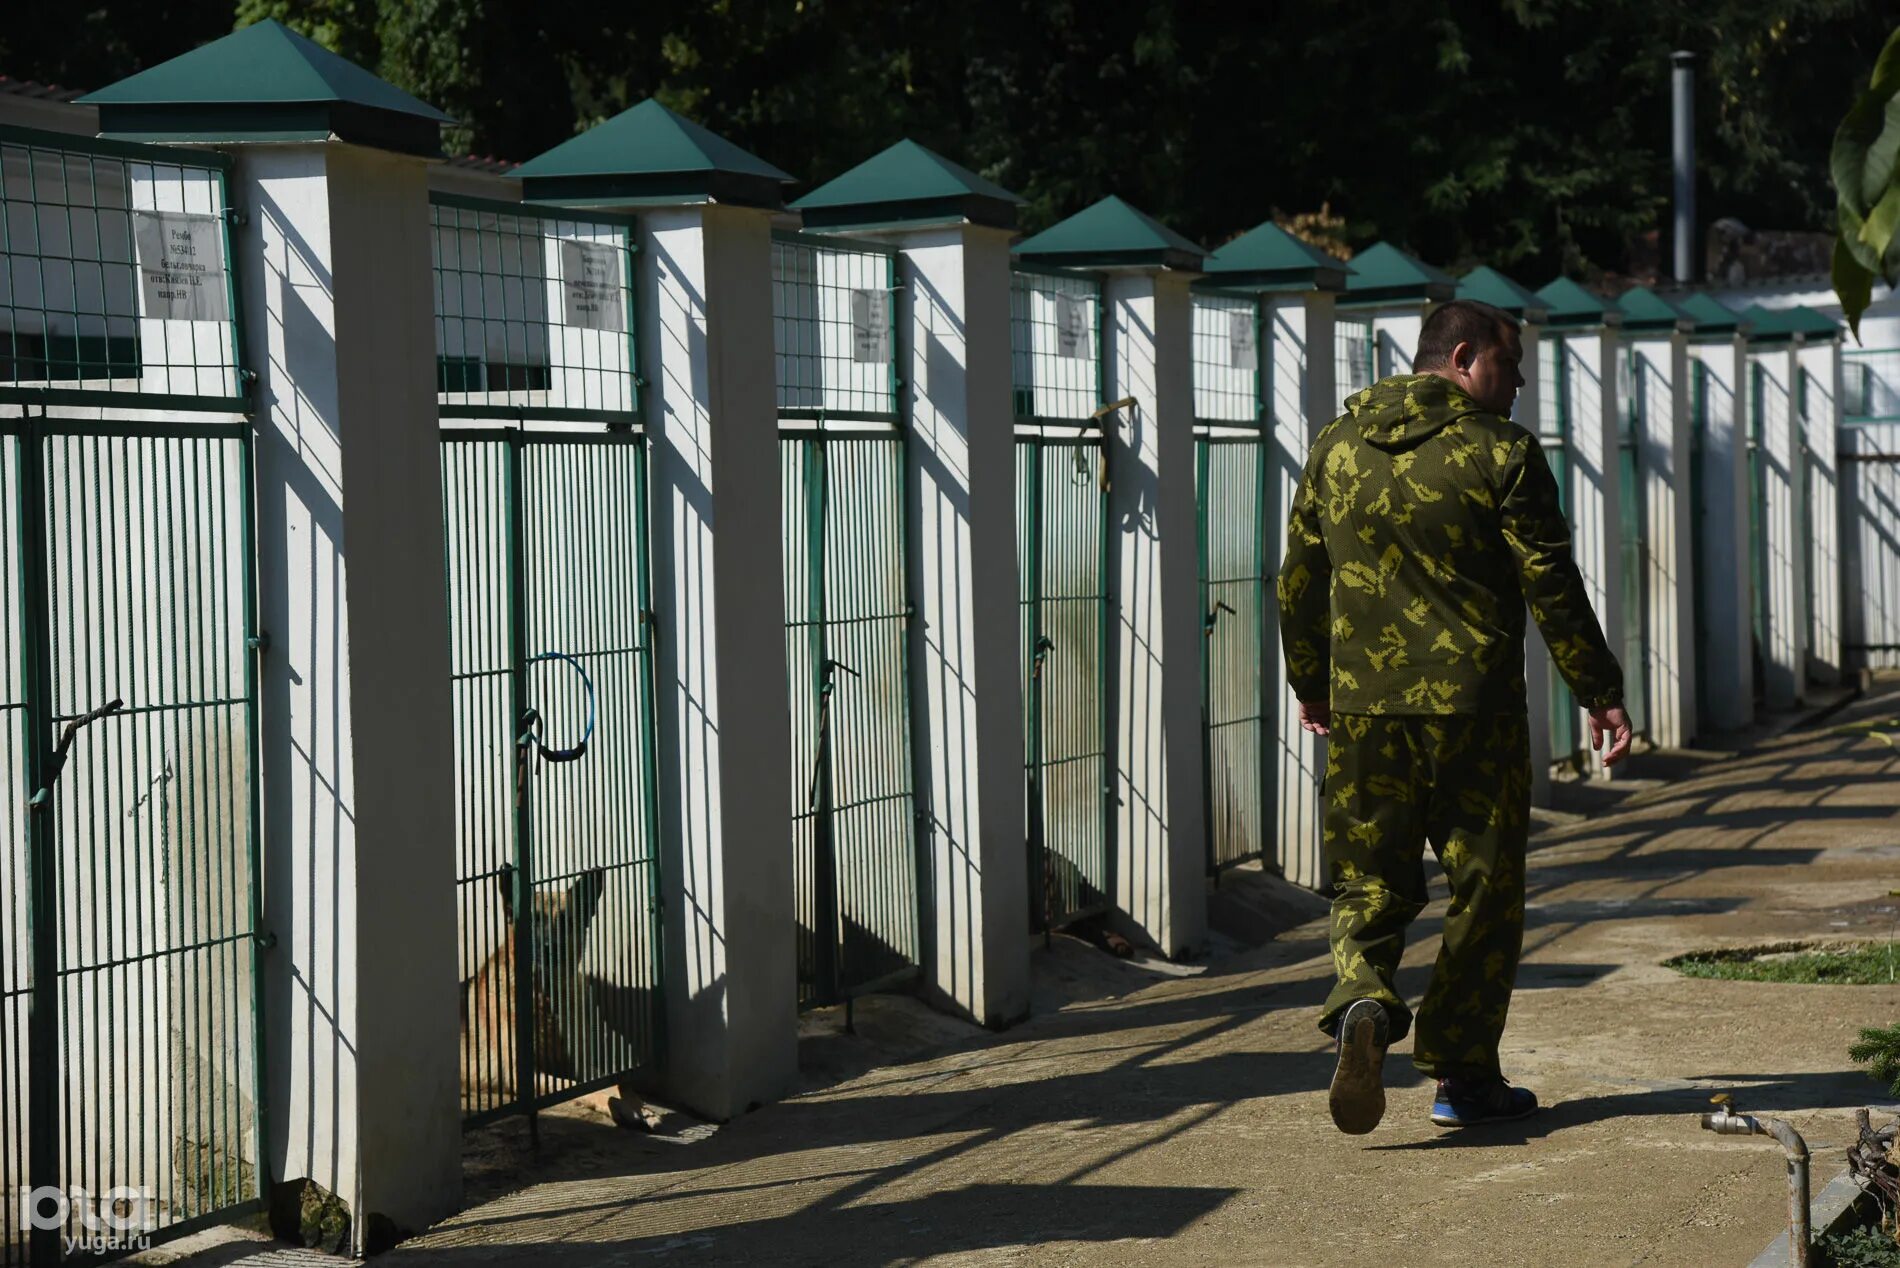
point(1462, 782)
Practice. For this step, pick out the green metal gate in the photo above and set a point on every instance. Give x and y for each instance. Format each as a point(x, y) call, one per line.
point(1554, 427)
point(1635, 549)
point(544, 499)
point(130, 931)
point(848, 617)
point(1062, 480)
point(1230, 484)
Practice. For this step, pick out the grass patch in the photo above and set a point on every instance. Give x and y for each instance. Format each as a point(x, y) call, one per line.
point(1861, 1247)
point(1849, 964)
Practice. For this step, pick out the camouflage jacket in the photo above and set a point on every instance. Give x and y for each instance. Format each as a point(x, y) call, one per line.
point(1421, 527)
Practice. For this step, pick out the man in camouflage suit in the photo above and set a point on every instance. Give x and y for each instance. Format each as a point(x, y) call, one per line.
point(1424, 523)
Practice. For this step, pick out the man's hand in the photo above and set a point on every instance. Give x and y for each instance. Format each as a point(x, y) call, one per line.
point(1318, 718)
point(1613, 722)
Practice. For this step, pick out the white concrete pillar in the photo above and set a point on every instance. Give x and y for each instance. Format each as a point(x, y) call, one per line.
point(705, 290)
point(1660, 364)
point(1781, 586)
point(1154, 640)
point(1591, 357)
point(355, 717)
point(954, 312)
point(1299, 330)
point(1538, 671)
point(1724, 632)
point(1818, 394)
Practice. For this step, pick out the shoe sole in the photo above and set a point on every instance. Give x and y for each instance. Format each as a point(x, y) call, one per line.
point(1358, 1093)
point(1480, 1122)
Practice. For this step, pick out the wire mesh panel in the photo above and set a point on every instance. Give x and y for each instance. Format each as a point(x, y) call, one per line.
point(846, 644)
point(1055, 326)
point(1061, 518)
point(128, 896)
point(1353, 354)
point(556, 810)
point(1870, 385)
point(1062, 570)
point(1231, 487)
point(116, 282)
point(533, 312)
point(1227, 355)
point(848, 616)
point(834, 328)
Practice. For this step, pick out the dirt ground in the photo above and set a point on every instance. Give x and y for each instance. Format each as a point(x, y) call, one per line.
point(1169, 1114)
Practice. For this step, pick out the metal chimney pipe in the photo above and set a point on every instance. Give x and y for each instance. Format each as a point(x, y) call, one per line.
point(1682, 92)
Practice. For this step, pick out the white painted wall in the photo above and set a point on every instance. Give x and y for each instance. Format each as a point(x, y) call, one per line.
point(1154, 640)
point(1591, 358)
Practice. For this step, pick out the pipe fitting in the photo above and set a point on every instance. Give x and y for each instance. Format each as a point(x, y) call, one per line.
point(1794, 1150)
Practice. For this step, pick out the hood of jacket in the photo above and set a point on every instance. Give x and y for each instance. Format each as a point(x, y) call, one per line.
point(1397, 413)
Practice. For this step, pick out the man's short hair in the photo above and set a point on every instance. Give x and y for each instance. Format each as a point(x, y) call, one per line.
point(1459, 321)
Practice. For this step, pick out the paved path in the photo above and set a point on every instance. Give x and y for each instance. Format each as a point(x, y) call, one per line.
point(1184, 1120)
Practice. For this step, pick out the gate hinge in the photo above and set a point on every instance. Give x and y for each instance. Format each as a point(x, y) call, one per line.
point(235, 217)
point(259, 642)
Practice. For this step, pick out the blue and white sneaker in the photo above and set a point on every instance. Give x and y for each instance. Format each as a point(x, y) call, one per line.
point(1470, 1102)
point(1358, 1092)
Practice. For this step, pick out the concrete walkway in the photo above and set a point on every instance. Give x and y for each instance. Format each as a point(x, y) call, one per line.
point(1177, 1115)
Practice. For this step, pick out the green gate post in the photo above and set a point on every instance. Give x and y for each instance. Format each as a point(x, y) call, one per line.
point(1153, 650)
point(43, 1169)
point(951, 229)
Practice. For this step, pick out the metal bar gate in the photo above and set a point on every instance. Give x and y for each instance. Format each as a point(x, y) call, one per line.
point(1230, 484)
point(1635, 549)
point(848, 617)
point(130, 930)
point(1554, 427)
point(551, 627)
point(1062, 480)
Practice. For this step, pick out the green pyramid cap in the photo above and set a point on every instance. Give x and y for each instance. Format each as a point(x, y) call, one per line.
point(1268, 258)
point(1773, 325)
point(907, 185)
point(1111, 234)
point(1489, 286)
point(649, 155)
point(1711, 315)
point(266, 83)
point(1645, 310)
point(1382, 273)
point(1568, 304)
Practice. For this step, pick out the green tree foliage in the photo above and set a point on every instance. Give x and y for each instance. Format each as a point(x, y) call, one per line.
point(1866, 169)
point(1879, 1051)
point(1529, 134)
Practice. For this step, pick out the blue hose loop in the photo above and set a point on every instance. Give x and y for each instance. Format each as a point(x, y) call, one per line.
point(531, 720)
